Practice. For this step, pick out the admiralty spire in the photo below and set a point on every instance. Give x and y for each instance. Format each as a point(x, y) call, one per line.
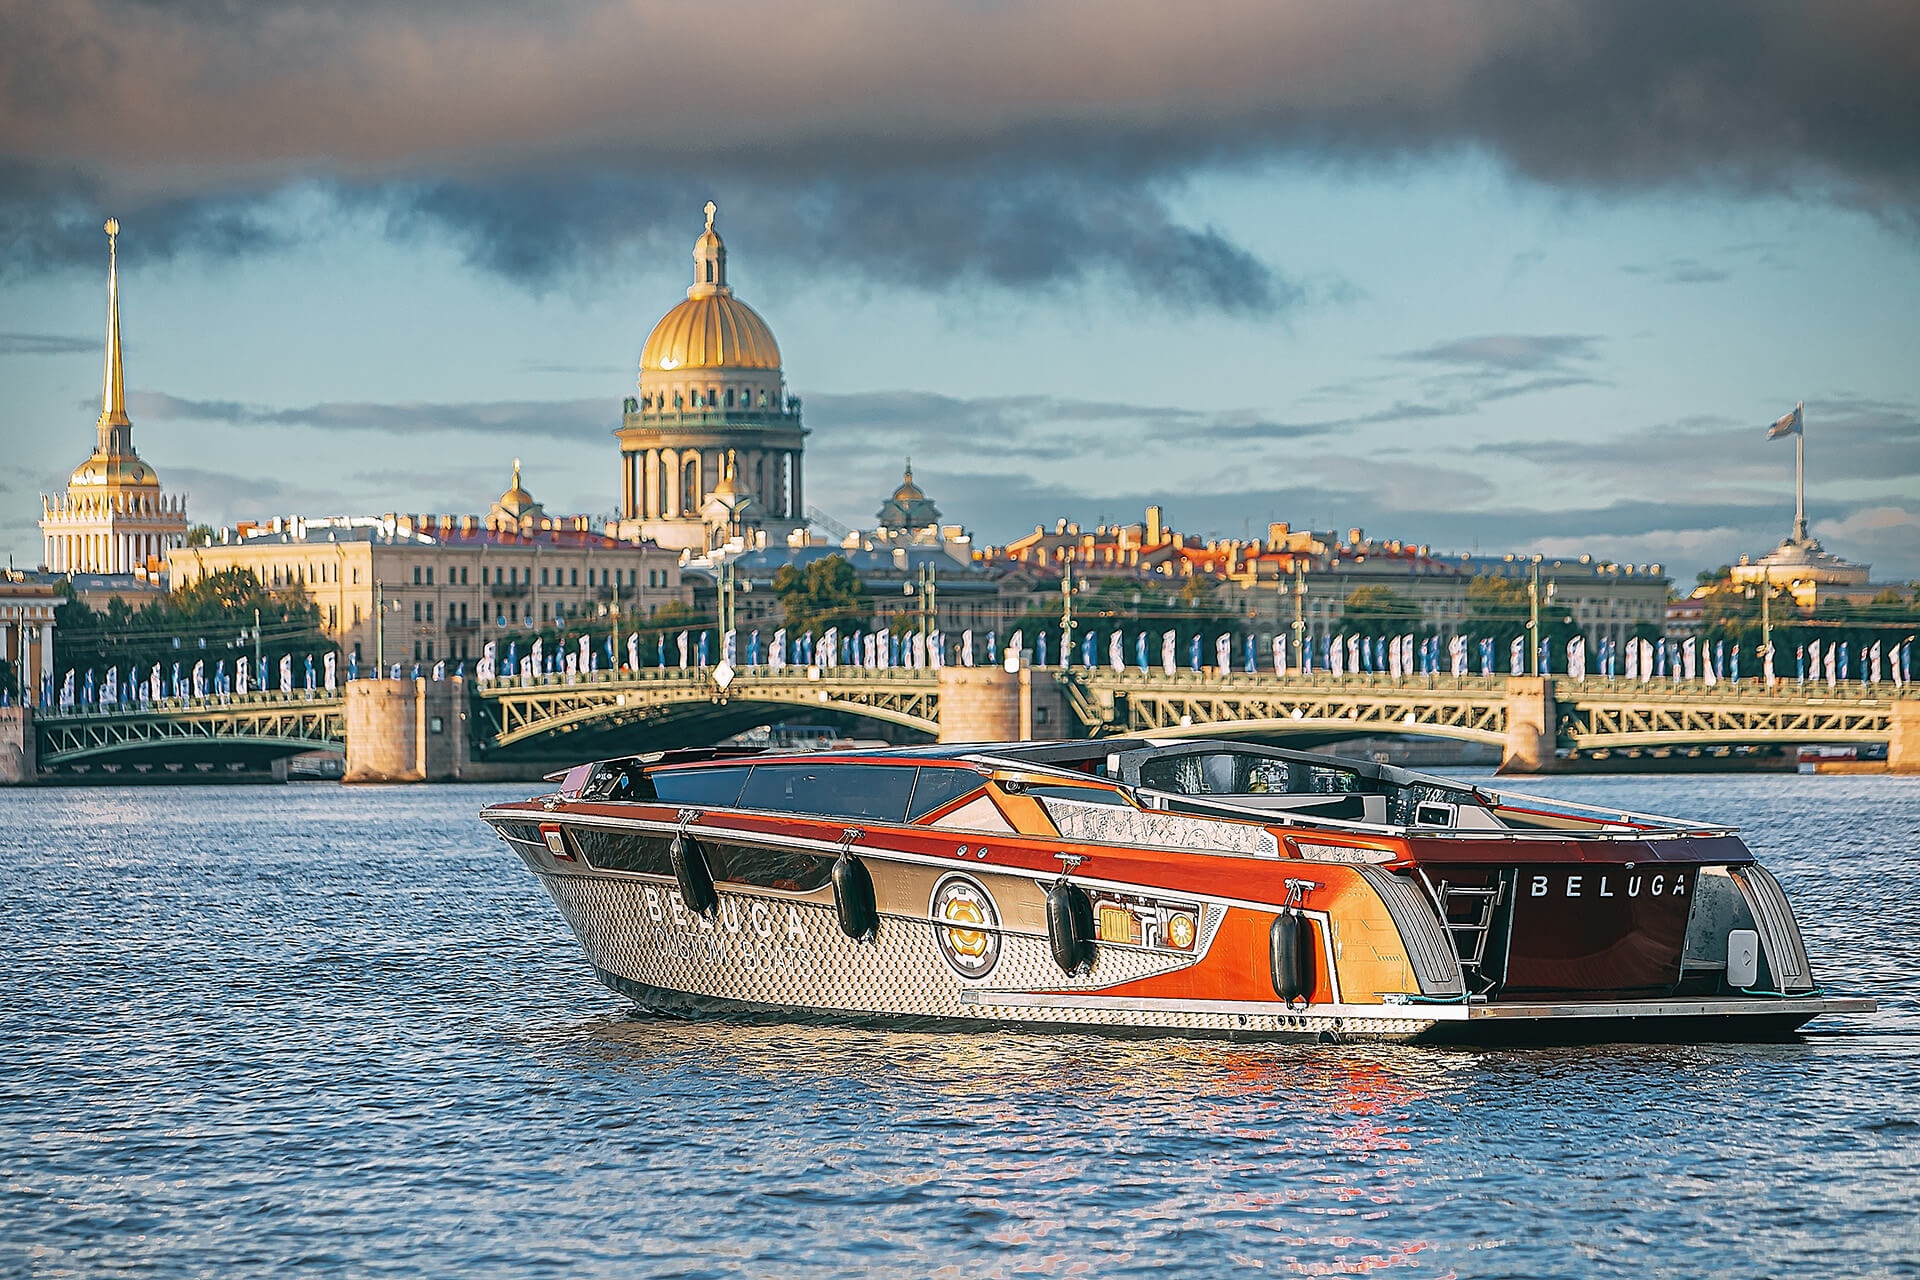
point(114, 517)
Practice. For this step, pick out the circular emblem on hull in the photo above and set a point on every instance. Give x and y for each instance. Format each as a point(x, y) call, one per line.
point(966, 925)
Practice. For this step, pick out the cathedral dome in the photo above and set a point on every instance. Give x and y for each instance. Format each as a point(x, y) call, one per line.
point(712, 329)
point(717, 331)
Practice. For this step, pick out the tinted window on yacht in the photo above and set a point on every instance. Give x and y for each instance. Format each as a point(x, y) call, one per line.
point(1219, 773)
point(763, 868)
point(527, 831)
point(875, 791)
point(708, 788)
point(938, 786)
point(607, 850)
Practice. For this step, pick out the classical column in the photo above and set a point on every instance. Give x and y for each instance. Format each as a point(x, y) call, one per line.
point(670, 464)
point(650, 485)
point(799, 494)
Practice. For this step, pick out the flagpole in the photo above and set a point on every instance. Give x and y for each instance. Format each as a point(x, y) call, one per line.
point(1800, 482)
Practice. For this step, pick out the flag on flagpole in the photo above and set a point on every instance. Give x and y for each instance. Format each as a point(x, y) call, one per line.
point(1789, 424)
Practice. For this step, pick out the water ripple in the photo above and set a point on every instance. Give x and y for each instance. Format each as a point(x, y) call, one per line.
point(259, 1028)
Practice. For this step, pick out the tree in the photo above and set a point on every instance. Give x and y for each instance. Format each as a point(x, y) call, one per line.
point(1380, 611)
point(1498, 607)
point(826, 593)
point(201, 535)
point(211, 618)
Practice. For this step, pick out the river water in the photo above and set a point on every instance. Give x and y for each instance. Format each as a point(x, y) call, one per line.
point(246, 1029)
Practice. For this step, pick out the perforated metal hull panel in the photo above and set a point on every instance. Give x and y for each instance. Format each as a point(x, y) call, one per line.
point(785, 952)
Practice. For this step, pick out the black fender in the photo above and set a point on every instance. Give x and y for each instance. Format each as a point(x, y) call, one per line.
point(693, 875)
point(853, 899)
point(1070, 926)
point(1292, 956)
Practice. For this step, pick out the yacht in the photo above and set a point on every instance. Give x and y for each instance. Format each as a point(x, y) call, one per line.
point(1158, 886)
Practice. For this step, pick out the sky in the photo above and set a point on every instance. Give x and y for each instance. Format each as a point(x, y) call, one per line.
point(1489, 277)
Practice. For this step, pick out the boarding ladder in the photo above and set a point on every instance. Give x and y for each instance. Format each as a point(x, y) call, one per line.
point(1470, 936)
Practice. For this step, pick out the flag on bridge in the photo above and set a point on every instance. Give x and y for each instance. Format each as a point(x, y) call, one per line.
point(286, 673)
point(1166, 652)
point(331, 671)
point(1279, 655)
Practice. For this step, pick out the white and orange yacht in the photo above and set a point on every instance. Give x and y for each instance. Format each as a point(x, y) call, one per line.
point(1158, 886)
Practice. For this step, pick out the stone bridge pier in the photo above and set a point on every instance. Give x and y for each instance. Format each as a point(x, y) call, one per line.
point(1532, 726)
point(992, 704)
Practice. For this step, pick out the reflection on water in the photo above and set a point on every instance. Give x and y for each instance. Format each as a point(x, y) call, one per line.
point(252, 1028)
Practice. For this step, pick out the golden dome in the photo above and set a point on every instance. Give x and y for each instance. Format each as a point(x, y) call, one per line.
point(100, 472)
point(712, 329)
point(716, 331)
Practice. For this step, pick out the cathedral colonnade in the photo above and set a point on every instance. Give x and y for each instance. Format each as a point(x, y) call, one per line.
point(772, 475)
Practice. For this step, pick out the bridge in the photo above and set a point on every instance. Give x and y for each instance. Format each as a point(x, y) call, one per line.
point(407, 729)
point(223, 734)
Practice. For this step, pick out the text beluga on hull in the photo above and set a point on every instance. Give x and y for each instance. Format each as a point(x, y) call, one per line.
point(1158, 886)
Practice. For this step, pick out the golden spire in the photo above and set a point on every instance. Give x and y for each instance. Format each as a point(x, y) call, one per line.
point(113, 391)
point(712, 209)
point(516, 473)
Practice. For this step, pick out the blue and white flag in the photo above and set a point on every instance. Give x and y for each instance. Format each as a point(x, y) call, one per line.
point(1789, 424)
point(1223, 654)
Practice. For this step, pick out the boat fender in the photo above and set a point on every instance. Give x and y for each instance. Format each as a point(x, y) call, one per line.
point(1070, 926)
point(690, 870)
point(853, 898)
point(1292, 945)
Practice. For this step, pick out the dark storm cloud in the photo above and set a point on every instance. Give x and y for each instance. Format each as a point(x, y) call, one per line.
point(948, 143)
point(929, 231)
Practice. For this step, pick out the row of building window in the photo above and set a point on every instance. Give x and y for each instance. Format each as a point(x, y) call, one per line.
point(713, 399)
